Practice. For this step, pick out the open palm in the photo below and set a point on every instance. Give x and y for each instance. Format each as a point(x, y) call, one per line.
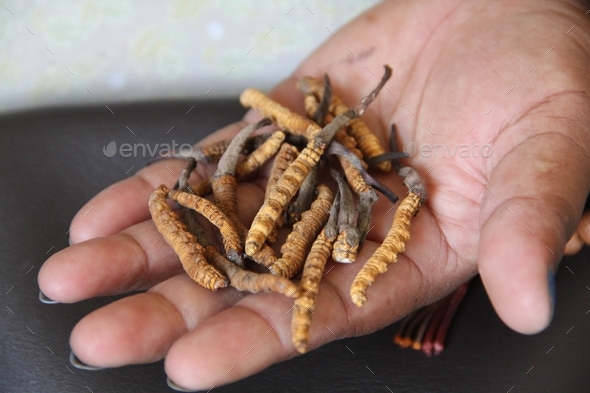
point(502, 74)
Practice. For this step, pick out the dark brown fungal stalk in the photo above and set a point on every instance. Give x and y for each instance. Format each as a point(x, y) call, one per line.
point(353, 169)
point(312, 104)
point(184, 244)
point(182, 183)
point(411, 177)
point(299, 141)
point(240, 279)
point(394, 148)
point(340, 150)
point(367, 142)
point(348, 239)
point(355, 172)
point(331, 228)
point(229, 159)
point(390, 156)
point(394, 154)
point(362, 184)
point(414, 183)
point(324, 102)
point(305, 197)
point(229, 235)
point(366, 202)
point(290, 182)
point(343, 145)
point(366, 199)
point(303, 234)
point(224, 187)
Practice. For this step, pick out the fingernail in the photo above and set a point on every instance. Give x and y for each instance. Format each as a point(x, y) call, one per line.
point(551, 283)
point(82, 366)
point(174, 386)
point(45, 299)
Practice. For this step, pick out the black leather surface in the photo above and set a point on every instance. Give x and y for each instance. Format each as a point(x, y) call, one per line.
point(52, 162)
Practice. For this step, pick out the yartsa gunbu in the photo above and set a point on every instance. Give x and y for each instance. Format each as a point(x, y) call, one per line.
point(332, 142)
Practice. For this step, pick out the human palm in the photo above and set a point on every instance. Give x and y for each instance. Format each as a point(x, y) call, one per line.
point(463, 75)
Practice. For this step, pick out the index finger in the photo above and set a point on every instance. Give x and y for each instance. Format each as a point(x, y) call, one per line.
point(126, 202)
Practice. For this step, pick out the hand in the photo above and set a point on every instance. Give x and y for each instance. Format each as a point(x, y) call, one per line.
point(463, 74)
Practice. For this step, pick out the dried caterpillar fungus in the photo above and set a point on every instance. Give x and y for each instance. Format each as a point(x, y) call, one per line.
point(327, 221)
point(367, 141)
point(289, 183)
point(395, 241)
point(242, 280)
point(300, 239)
point(183, 243)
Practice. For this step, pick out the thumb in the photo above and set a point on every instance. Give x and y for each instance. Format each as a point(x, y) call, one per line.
point(534, 201)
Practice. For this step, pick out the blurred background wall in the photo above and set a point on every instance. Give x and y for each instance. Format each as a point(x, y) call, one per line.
point(75, 52)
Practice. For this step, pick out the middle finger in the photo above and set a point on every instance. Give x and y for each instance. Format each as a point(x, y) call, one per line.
point(141, 328)
point(134, 259)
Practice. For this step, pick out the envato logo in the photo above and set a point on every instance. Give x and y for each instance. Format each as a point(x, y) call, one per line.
point(147, 150)
point(427, 150)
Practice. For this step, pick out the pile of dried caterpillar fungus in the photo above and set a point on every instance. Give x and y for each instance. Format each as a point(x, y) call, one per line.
point(325, 222)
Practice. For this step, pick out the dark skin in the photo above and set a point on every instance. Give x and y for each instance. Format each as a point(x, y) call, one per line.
point(453, 60)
